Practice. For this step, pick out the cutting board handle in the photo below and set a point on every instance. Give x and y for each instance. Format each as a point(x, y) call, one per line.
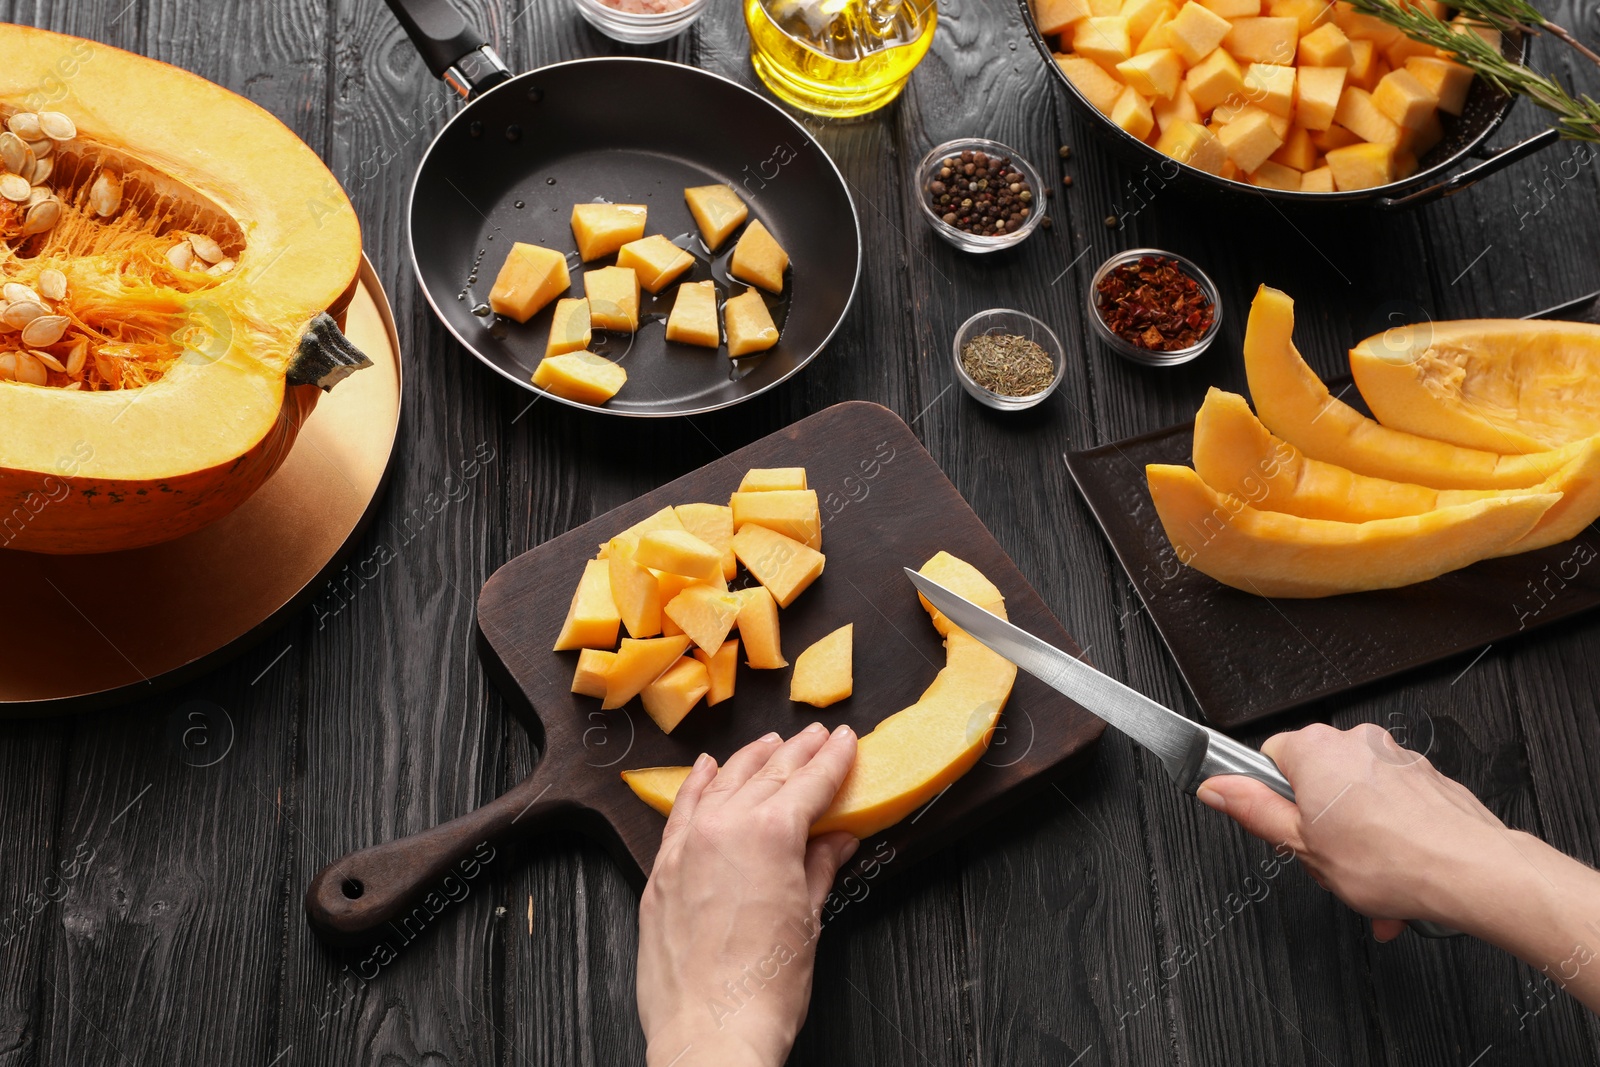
point(351, 898)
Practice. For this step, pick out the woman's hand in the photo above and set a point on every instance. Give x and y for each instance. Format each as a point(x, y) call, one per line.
point(729, 922)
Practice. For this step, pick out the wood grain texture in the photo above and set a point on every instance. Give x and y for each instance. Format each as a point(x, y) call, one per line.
point(1047, 940)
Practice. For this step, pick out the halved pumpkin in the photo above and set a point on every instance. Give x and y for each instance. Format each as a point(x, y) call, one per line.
point(1294, 404)
point(193, 249)
point(1276, 555)
point(1506, 385)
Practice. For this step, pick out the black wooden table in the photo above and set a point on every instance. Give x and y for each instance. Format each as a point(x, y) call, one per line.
point(150, 905)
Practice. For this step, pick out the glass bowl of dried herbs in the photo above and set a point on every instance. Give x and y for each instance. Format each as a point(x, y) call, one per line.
point(1007, 359)
point(1154, 307)
point(979, 195)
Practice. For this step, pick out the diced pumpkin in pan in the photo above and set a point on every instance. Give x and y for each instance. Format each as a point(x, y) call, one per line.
point(1325, 46)
point(569, 327)
point(717, 210)
point(792, 512)
point(1155, 74)
point(1272, 175)
point(1179, 109)
point(749, 325)
point(1402, 97)
point(1270, 86)
point(1361, 166)
point(758, 629)
point(634, 589)
point(1132, 113)
point(722, 668)
point(655, 260)
point(679, 552)
point(1195, 32)
point(529, 279)
point(1155, 38)
point(1250, 139)
point(1057, 16)
point(1215, 79)
point(1091, 79)
point(1334, 136)
point(1309, 14)
point(1263, 39)
point(589, 679)
point(1191, 143)
point(1297, 151)
point(601, 229)
point(759, 259)
point(1142, 14)
point(1234, 9)
point(1363, 71)
point(638, 663)
point(592, 619)
point(713, 524)
point(581, 376)
point(1446, 79)
point(1316, 92)
point(1103, 39)
point(823, 673)
point(705, 614)
point(613, 294)
point(1359, 26)
point(782, 564)
point(673, 695)
point(1358, 114)
point(1319, 180)
point(693, 320)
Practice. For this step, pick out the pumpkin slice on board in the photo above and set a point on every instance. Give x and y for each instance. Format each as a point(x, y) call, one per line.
point(1294, 404)
point(1275, 555)
point(191, 247)
point(1506, 385)
point(915, 753)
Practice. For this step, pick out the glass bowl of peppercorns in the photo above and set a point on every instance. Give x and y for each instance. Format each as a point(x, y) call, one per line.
point(1154, 307)
point(979, 195)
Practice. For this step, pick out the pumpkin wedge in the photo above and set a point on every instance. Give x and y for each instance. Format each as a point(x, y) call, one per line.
point(193, 247)
point(1506, 385)
point(915, 753)
point(1294, 404)
point(1276, 555)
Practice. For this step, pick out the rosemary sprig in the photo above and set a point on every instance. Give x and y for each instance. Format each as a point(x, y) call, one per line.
point(1578, 118)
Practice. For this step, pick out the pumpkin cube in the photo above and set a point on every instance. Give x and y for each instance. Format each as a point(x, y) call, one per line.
point(592, 619)
point(638, 663)
point(1270, 87)
point(675, 693)
point(1358, 114)
point(1272, 175)
point(601, 229)
point(1057, 16)
point(749, 324)
point(1234, 9)
point(613, 294)
point(1308, 14)
point(1263, 39)
point(1421, 140)
point(1195, 32)
point(758, 629)
point(705, 614)
point(665, 519)
point(1091, 79)
point(1230, 170)
point(1133, 114)
point(1362, 27)
point(1319, 180)
point(693, 320)
point(1326, 46)
point(717, 210)
point(782, 564)
point(1104, 40)
point(1103, 8)
point(580, 376)
point(1250, 140)
point(1179, 109)
point(1191, 143)
point(1405, 163)
point(759, 259)
point(1363, 72)
point(634, 589)
point(1158, 74)
point(1361, 166)
point(569, 327)
point(1405, 48)
point(713, 524)
point(1297, 151)
point(1317, 91)
point(655, 260)
point(1446, 79)
point(1142, 14)
point(680, 552)
point(722, 666)
point(529, 279)
point(589, 679)
point(767, 479)
point(792, 512)
point(1335, 136)
point(1464, 24)
point(823, 674)
point(1214, 80)
point(1156, 36)
point(1230, 111)
point(1404, 99)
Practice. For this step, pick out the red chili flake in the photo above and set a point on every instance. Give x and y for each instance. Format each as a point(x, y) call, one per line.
point(1152, 304)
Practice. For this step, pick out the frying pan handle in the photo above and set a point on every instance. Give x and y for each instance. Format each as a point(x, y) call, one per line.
point(1457, 182)
point(351, 897)
point(452, 50)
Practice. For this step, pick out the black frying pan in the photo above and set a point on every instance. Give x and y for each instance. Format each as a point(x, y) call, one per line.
point(512, 163)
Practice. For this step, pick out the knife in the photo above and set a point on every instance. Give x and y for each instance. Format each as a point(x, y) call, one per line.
point(1190, 752)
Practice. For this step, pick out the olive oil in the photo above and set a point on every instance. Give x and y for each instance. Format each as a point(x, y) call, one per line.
point(838, 57)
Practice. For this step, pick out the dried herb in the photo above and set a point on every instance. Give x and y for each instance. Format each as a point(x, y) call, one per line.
point(1008, 364)
point(1152, 304)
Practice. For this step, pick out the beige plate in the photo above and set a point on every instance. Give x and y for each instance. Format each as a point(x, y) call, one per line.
point(104, 629)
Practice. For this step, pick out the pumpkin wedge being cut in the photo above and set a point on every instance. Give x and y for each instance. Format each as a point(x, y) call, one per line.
point(1506, 385)
point(165, 296)
point(915, 753)
point(1294, 404)
point(1235, 454)
point(1275, 555)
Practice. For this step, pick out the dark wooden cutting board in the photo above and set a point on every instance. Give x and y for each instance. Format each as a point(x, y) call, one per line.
point(886, 505)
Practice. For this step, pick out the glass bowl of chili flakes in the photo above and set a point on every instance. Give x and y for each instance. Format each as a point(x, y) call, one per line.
point(1154, 307)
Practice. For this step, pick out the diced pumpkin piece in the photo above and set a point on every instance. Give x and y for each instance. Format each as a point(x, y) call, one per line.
point(782, 564)
point(1297, 150)
point(1142, 14)
point(1270, 87)
point(1358, 114)
point(589, 679)
point(1091, 79)
point(1263, 39)
point(823, 673)
point(722, 669)
point(1359, 26)
point(529, 279)
point(1326, 46)
point(1405, 48)
point(1102, 8)
point(713, 524)
point(1104, 40)
point(1363, 71)
point(1319, 180)
point(1334, 136)
point(1057, 16)
point(1308, 14)
point(569, 327)
point(670, 585)
point(1158, 73)
point(613, 294)
point(1419, 141)
point(1235, 110)
point(665, 519)
point(1215, 80)
point(1317, 91)
point(638, 663)
point(592, 618)
point(1155, 38)
point(673, 695)
point(1446, 79)
point(1194, 33)
point(769, 479)
point(1464, 24)
point(1191, 143)
point(1179, 109)
point(758, 629)
point(705, 614)
point(655, 260)
point(634, 589)
point(1133, 114)
point(718, 210)
point(1234, 9)
point(792, 512)
point(1361, 166)
point(580, 376)
point(1272, 175)
point(1250, 140)
point(1230, 170)
point(601, 229)
point(749, 324)
point(693, 320)
point(679, 552)
point(759, 259)
point(1403, 98)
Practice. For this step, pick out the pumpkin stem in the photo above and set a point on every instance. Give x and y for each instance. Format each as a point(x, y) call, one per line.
point(325, 356)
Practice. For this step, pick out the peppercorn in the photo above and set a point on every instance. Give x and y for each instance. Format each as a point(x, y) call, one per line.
point(1066, 179)
point(1065, 151)
point(1111, 222)
point(988, 198)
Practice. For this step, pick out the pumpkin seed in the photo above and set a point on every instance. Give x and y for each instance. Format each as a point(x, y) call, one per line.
point(14, 152)
point(73, 385)
point(21, 313)
point(53, 284)
point(76, 356)
point(41, 217)
point(8, 366)
point(30, 370)
point(38, 193)
point(181, 256)
point(41, 148)
point(44, 330)
point(206, 248)
point(48, 360)
point(56, 126)
point(16, 292)
point(222, 268)
point(25, 124)
point(105, 195)
point(108, 368)
point(42, 171)
point(15, 187)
